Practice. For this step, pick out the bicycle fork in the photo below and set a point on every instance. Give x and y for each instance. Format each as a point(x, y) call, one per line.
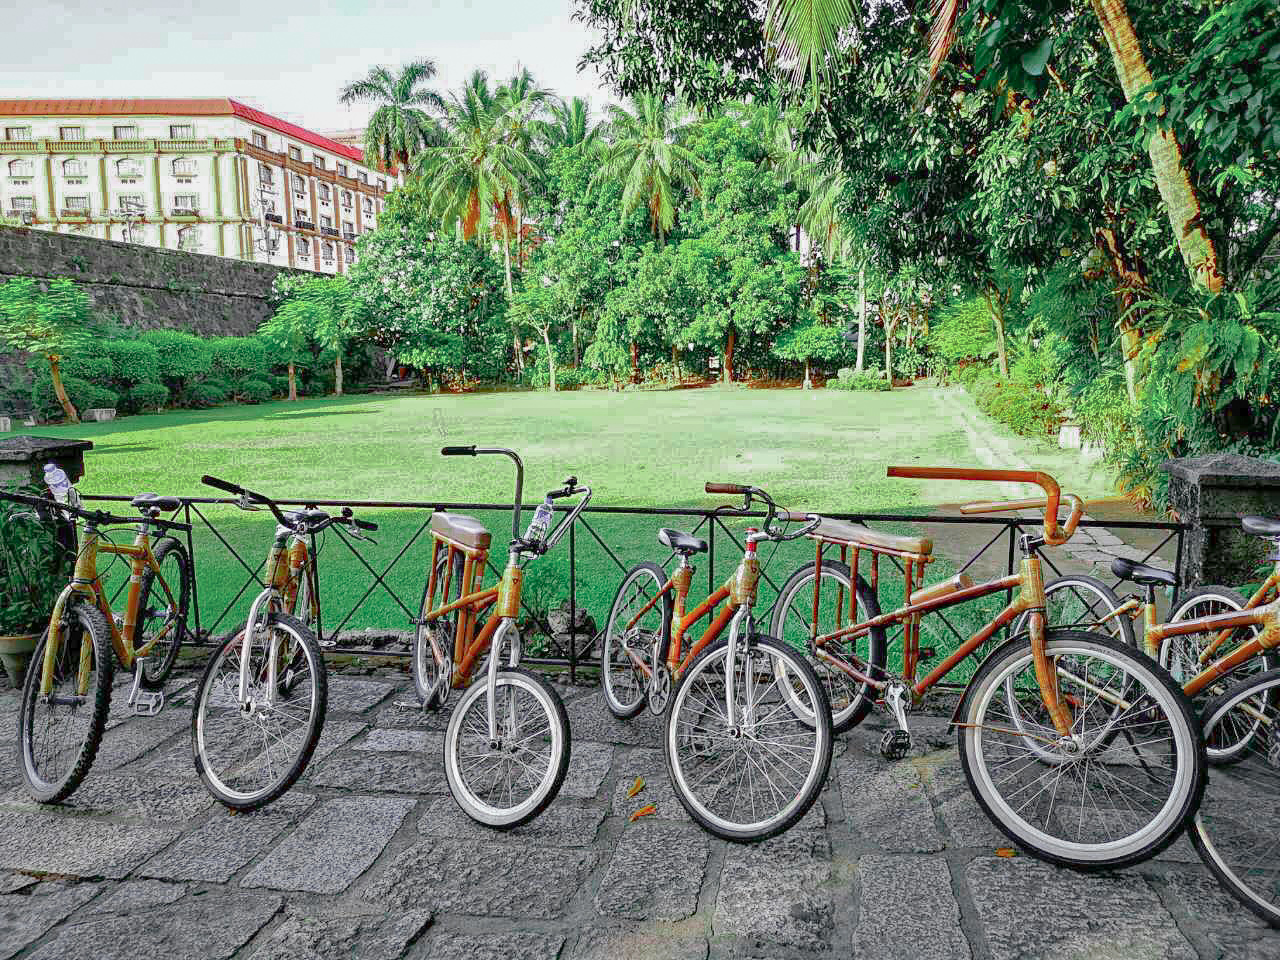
point(730, 694)
point(246, 656)
point(508, 625)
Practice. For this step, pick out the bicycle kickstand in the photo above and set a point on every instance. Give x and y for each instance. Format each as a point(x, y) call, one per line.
point(145, 703)
point(896, 744)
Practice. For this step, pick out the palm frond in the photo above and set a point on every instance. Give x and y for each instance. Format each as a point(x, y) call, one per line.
point(942, 36)
point(805, 32)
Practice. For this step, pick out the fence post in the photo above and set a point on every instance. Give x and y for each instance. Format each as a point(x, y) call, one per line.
point(573, 605)
point(191, 559)
point(711, 557)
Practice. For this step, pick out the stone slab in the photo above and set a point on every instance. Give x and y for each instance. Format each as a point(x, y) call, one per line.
point(78, 846)
point(351, 695)
point(210, 927)
point(638, 942)
point(332, 846)
point(401, 740)
point(25, 918)
point(1091, 915)
point(136, 798)
point(136, 736)
point(777, 893)
point(908, 909)
point(560, 825)
point(493, 946)
point(886, 806)
point(486, 878)
point(1232, 930)
point(412, 773)
point(655, 872)
point(588, 767)
point(217, 849)
point(406, 713)
point(370, 937)
point(590, 719)
point(133, 896)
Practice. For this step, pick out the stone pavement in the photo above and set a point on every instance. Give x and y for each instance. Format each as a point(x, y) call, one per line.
point(369, 857)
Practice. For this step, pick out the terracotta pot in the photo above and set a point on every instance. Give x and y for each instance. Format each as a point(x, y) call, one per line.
point(15, 651)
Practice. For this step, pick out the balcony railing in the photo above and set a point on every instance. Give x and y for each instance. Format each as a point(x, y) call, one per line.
point(74, 212)
point(22, 216)
point(275, 218)
point(329, 231)
point(304, 224)
point(185, 212)
point(349, 235)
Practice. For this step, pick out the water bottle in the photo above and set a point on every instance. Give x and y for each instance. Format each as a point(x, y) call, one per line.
point(540, 523)
point(58, 482)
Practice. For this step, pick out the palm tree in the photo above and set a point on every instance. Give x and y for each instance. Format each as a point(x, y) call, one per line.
point(569, 127)
point(647, 158)
point(401, 126)
point(807, 31)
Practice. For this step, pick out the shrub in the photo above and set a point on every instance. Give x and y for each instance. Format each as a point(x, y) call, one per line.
point(181, 355)
point(1021, 406)
point(869, 379)
point(963, 331)
point(253, 391)
point(90, 366)
point(204, 395)
point(145, 396)
point(135, 361)
point(215, 386)
point(84, 395)
point(34, 565)
point(280, 385)
point(239, 358)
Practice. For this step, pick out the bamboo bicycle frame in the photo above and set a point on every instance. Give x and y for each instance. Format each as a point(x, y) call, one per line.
point(86, 582)
point(736, 592)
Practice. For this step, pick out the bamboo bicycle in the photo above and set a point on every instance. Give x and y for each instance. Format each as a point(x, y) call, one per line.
point(506, 749)
point(260, 704)
point(66, 695)
point(1082, 751)
point(742, 759)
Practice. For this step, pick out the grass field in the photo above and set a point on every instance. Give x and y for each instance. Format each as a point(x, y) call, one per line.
point(817, 450)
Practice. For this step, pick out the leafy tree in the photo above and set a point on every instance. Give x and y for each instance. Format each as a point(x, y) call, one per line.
point(816, 341)
point(401, 126)
point(49, 323)
point(332, 315)
point(288, 332)
point(568, 128)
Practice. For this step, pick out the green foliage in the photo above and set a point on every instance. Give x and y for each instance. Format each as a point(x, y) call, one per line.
point(34, 566)
point(963, 332)
point(815, 342)
point(1021, 406)
point(253, 391)
point(235, 358)
point(182, 356)
point(83, 394)
point(205, 395)
point(147, 397)
point(49, 323)
point(135, 361)
point(868, 379)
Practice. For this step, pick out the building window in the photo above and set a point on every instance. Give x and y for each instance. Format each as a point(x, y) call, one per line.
point(351, 254)
point(260, 140)
point(73, 168)
point(304, 247)
point(76, 205)
point(342, 170)
point(187, 204)
point(326, 221)
point(318, 161)
point(189, 240)
point(181, 131)
point(125, 132)
point(131, 204)
point(364, 177)
point(71, 133)
point(295, 153)
point(324, 192)
point(21, 168)
point(382, 184)
point(299, 185)
point(265, 176)
point(17, 133)
point(128, 170)
point(22, 204)
point(328, 252)
point(346, 198)
point(184, 167)
point(368, 206)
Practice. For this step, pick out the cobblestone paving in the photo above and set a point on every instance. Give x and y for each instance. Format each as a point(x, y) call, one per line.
point(369, 857)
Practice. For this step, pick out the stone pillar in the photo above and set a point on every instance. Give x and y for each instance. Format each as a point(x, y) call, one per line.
point(1212, 493)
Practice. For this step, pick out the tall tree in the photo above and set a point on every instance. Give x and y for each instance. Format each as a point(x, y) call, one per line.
point(648, 157)
point(48, 323)
point(402, 125)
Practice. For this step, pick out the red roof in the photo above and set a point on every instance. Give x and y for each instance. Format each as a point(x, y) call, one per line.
point(196, 107)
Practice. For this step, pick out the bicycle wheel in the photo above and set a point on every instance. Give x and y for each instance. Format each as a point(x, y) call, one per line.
point(431, 656)
point(505, 782)
point(630, 651)
point(757, 778)
point(58, 735)
point(1118, 789)
point(1236, 831)
point(163, 615)
point(1081, 603)
point(793, 623)
point(248, 756)
point(1181, 657)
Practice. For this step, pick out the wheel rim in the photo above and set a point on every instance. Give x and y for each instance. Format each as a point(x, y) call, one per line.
point(247, 756)
point(55, 734)
point(794, 627)
point(160, 616)
point(1235, 827)
point(625, 683)
point(751, 779)
point(426, 668)
point(504, 785)
point(1077, 605)
point(1118, 790)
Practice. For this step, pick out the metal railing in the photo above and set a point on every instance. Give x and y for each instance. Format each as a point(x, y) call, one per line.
point(214, 616)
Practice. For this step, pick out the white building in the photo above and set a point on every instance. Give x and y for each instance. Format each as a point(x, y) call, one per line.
point(207, 175)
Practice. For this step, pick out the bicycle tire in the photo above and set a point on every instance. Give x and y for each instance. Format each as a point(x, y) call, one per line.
point(610, 677)
point(424, 665)
point(155, 676)
point(1106, 600)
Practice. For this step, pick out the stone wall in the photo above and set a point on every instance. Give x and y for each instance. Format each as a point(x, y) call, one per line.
point(146, 288)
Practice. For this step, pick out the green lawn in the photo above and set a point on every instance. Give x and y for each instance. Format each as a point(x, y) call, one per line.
point(819, 450)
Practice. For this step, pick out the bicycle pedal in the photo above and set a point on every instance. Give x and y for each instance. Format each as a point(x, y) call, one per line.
point(443, 687)
point(895, 744)
point(145, 703)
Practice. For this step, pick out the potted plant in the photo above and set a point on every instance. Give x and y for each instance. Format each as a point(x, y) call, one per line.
point(34, 566)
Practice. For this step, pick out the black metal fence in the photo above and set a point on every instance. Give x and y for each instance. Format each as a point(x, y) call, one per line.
point(367, 588)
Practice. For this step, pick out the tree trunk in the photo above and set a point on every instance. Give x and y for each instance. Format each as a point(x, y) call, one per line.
point(862, 316)
point(337, 374)
point(675, 363)
point(506, 262)
point(1181, 204)
point(1130, 277)
point(729, 343)
point(574, 327)
point(996, 306)
point(551, 357)
point(890, 325)
point(808, 383)
point(60, 391)
point(293, 384)
point(635, 362)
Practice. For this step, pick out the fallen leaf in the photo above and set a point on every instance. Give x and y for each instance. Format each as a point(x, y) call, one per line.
point(636, 787)
point(646, 811)
point(1006, 852)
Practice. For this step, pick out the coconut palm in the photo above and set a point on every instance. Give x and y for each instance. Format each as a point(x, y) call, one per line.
point(646, 156)
point(401, 126)
point(806, 32)
point(569, 127)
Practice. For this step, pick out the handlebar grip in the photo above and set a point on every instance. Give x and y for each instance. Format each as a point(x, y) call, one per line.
point(226, 485)
point(998, 506)
point(458, 451)
point(363, 524)
point(793, 516)
point(730, 488)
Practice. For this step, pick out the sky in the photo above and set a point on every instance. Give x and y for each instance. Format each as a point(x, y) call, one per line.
point(287, 58)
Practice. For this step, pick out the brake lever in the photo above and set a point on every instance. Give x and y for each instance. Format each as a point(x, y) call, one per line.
point(244, 503)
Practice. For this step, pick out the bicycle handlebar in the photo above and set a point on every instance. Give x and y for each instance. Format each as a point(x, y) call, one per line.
point(99, 517)
point(1054, 534)
point(734, 489)
point(472, 450)
point(458, 451)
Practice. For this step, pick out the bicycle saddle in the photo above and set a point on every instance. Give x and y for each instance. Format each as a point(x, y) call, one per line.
point(153, 501)
point(460, 528)
point(1260, 526)
point(1141, 573)
point(681, 542)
